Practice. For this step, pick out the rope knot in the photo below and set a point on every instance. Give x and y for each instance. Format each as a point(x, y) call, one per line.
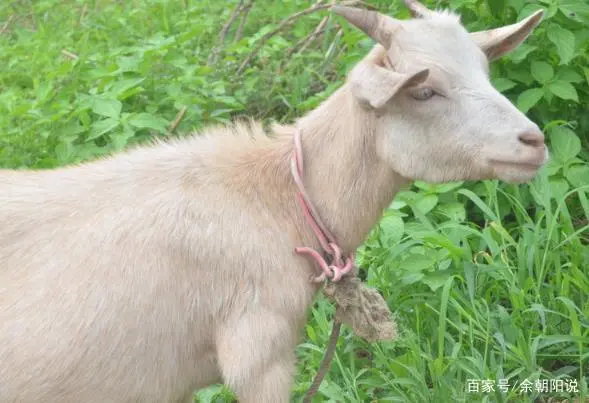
point(338, 266)
point(334, 270)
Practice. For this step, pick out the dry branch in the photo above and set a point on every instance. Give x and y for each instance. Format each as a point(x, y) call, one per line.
point(302, 44)
point(324, 366)
point(215, 53)
point(286, 22)
point(177, 120)
point(6, 24)
point(244, 12)
point(69, 54)
point(306, 41)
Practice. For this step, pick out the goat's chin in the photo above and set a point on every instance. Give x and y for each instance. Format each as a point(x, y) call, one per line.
point(515, 175)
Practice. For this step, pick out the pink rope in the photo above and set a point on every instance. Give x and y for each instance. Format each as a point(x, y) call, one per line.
point(337, 267)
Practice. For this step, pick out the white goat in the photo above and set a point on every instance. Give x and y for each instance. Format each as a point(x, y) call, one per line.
point(146, 275)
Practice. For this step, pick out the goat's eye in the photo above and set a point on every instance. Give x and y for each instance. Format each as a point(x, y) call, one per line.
point(423, 94)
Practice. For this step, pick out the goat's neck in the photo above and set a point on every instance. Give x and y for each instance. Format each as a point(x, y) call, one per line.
point(349, 185)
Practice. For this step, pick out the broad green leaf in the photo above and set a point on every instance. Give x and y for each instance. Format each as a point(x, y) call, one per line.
point(229, 101)
point(333, 391)
point(503, 84)
point(437, 187)
point(575, 9)
point(71, 130)
point(531, 7)
point(447, 187)
point(564, 90)
point(411, 278)
point(417, 263)
point(558, 188)
point(568, 74)
point(454, 211)
point(120, 138)
point(521, 75)
point(120, 87)
point(542, 71)
point(101, 127)
point(552, 167)
point(84, 117)
point(578, 175)
point(128, 64)
point(64, 152)
point(149, 121)
point(527, 99)
point(435, 280)
point(426, 203)
point(407, 196)
point(443, 263)
point(397, 204)
point(208, 394)
point(520, 53)
point(88, 150)
point(111, 108)
point(428, 187)
point(564, 40)
point(564, 143)
point(392, 227)
point(416, 229)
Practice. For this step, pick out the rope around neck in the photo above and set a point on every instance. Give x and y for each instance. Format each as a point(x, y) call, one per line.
point(358, 306)
point(338, 266)
point(334, 271)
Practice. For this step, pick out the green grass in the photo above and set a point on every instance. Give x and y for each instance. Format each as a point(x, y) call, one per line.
point(487, 281)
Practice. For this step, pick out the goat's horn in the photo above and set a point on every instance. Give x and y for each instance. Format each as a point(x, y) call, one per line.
point(417, 9)
point(375, 25)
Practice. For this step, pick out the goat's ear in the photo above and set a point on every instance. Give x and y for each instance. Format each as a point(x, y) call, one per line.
point(375, 85)
point(499, 41)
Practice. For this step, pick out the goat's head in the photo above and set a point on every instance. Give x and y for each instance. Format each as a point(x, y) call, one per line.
point(438, 116)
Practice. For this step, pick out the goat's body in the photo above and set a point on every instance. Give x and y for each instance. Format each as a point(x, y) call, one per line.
point(122, 279)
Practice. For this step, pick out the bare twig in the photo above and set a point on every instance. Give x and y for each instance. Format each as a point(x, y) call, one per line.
point(69, 54)
point(223, 33)
point(301, 45)
point(6, 24)
point(284, 23)
point(327, 357)
point(177, 120)
point(309, 38)
point(244, 12)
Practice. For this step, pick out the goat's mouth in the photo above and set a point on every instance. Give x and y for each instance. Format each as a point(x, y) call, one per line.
point(524, 165)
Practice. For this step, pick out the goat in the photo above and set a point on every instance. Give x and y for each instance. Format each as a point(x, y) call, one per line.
point(145, 275)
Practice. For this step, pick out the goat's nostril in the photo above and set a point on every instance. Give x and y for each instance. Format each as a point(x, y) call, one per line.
point(532, 139)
